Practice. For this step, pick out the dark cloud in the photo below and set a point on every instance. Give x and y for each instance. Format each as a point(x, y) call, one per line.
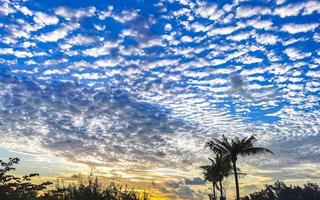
point(74, 121)
point(179, 190)
point(239, 85)
point(194, 181)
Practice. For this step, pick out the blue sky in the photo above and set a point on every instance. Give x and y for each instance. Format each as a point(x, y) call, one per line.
point(107, 83)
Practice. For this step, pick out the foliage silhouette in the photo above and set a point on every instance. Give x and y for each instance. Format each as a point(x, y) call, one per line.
point(236, 147)
point(219, 169)
point(280, 191)
point(16, 188)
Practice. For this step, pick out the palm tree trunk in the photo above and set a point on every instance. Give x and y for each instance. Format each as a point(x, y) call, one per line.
point(221, 191)
point(214, 191)
point(236, 179)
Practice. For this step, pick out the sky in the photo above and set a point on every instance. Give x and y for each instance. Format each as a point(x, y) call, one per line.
point(132, 90)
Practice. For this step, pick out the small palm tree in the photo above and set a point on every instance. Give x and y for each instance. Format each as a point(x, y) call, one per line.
point(219, 169)
point(231, 150)
point(209, 175)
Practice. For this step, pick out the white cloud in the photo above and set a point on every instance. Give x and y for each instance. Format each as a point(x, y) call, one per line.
point(295, 54)
point(250, 60)
point(45, 19)
point(28, 44)
point(186, 39)
point(6, 9)
point(245, 12)
point(106, 13)
point(260, 24)
point(314, 74)
point(24, 10)
point(292, 41)
point(70, 14)
point(80, 40)
point(56, 72)
point(107, 62)
point(58, 34)
point(305, 8)
point(126, 16)
point(17, 53)
point(198, 27)
point(209, 11)
point(168, 27)
point(311, 7)
point(278, 2)
point(6, 51)
point(289, 10)
point(239, 37)
point(223, 31)
point(267, 39)
point(299, 28)
point(101, 50)
point(316, 37)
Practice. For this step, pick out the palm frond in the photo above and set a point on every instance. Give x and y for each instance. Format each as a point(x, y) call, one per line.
point(255, 150)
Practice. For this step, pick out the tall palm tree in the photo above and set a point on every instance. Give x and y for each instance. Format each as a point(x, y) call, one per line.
point(231, 150)
point(219, 169)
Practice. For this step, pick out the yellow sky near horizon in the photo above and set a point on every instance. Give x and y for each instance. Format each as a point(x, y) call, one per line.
point(160, 183)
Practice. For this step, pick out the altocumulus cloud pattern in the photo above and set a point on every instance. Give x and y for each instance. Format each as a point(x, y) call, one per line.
point(147, 82)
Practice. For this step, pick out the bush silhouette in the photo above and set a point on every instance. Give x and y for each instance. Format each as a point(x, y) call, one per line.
point(22, 188)
point(280, 191)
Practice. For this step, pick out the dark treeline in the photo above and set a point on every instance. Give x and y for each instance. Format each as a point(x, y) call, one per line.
point(22, 188)
point(280, 191)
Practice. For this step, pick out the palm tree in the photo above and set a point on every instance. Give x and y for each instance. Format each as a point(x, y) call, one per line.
point(231, 150)
point(219, 169)
point(209, 175)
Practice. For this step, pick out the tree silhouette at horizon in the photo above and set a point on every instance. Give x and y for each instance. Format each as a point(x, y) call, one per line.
point(234, 148)
point(219, 169)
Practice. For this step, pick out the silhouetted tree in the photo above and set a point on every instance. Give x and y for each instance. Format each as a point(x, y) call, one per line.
point(280, 191)
point(209, 175)
point(219, 169)
point(93, 190)
point(18, 188)
point(231, 150)
point(21, 188)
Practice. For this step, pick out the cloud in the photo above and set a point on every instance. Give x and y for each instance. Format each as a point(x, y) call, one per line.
point(299, 28)
point(17, 53)
point(23, 9)
point(239, 37)
point(209, 11)
point(75, 14)
point(260, 24)
point(223, 30)
point(267, 39)
point(289, 10)
point(78, 123)
point(295, 54)
point(59, 33)
point(246, 12)
point(6, 9)
point(305, 8)
point(238, 84)
point(194, 181)
point(104, 49)
point(45, 19)
point(168, 27)
point(186, 39)
point(78, 40)
point(122, 87)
